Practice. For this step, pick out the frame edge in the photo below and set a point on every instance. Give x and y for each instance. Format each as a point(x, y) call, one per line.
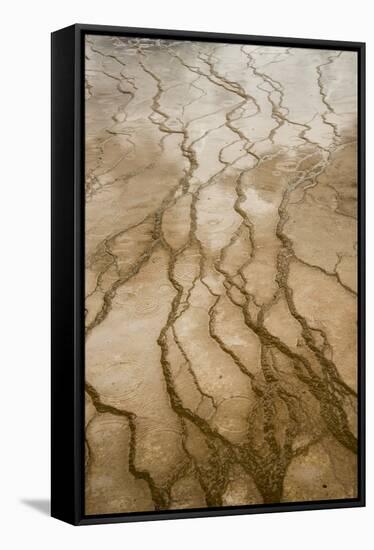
point(63, 345)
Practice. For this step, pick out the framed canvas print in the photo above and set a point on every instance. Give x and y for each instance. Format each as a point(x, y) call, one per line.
point(207, 274)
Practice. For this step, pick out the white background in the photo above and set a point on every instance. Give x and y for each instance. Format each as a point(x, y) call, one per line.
point(25, 272)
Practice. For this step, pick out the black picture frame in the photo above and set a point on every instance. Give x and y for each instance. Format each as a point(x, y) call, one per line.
point(67, 384)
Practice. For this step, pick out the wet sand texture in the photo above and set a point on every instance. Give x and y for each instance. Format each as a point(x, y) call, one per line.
point(220, 275)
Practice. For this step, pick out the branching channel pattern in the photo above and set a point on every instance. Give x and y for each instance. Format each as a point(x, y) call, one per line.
point(221, 238)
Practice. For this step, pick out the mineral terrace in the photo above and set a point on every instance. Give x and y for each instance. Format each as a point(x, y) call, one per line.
point(221, 269)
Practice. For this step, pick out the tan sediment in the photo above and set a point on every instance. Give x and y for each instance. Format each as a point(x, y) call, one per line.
point(221, 289)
